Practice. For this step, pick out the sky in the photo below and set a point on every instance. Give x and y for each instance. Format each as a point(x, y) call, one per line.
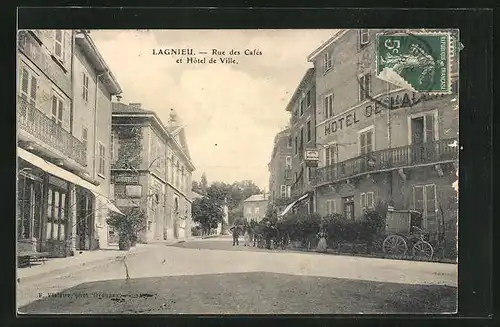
point(231, 112)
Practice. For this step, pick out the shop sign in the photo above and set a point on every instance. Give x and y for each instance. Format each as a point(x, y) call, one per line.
point(126, 179)
point(375, 107)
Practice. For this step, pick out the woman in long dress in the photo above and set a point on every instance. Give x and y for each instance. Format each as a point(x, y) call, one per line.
point(322, 241)
point(246, 236)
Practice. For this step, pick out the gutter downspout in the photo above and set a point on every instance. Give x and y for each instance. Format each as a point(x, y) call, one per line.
point(72, 63)
point(94, 172)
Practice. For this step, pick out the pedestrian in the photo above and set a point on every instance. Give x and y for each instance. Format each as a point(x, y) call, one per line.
point(235, 230)
point(246, 236)
point(322, 240)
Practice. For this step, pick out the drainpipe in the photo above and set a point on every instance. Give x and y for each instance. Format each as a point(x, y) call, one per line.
point(94, 173)
point(71, 114)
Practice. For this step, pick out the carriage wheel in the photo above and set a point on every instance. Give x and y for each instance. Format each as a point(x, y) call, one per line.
point(423, 249)
point(395, 244)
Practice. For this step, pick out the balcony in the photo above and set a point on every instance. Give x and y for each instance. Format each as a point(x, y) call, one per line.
point(35, 126)
point(389, 159)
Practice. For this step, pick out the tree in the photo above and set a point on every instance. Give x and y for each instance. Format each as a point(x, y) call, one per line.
point(207, 212)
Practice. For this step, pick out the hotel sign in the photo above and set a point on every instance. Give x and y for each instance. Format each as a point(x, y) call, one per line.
point(376, 107)
point(311, 158)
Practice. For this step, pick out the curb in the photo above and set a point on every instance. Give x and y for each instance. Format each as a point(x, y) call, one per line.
point(375, 256)
point(68, 270)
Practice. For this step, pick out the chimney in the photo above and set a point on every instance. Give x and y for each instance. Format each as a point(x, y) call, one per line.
point(135, 105)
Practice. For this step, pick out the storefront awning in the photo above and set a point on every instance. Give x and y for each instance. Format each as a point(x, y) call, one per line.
point(110, 205)
point(64, 174)
point(291, 205)
point(54, 170)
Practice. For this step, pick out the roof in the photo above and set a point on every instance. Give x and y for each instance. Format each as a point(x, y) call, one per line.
point(308, 76)
point(83, 39)
point(124, 110)
point(325, 45)
point(257, 197)
point(119, 107)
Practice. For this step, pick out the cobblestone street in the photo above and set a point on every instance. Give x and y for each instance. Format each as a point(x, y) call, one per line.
point(212, 276)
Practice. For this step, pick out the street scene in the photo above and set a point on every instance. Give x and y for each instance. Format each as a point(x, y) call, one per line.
point(237, 171)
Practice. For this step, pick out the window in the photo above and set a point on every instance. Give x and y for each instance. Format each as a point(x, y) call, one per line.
point(288, 191)
point(112, 146)
point(327, 61)
point(364, 37)
point(301, 138)
point(85, 91)
point(366, 200)
point(331, 207)
point(288, 162)
point(308, 99)
point(56, 217)
point(257, 210)
point(309, 136)
point(289, 143)
point(28, 86)
point(424, 200)
point(57, 109)
point(249, 209)
point(283, 191)
point(364, 87)
point(328, 106)
point(330, 155)
point(85, 136)
point(102, 159)
point(172, 175)
point(309, 173)
point(349, 207)
point(59, 44)
point(302, 105)
point(366, 142)
point(296, 145)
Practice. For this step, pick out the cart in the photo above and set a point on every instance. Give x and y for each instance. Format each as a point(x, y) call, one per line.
point(404, 231)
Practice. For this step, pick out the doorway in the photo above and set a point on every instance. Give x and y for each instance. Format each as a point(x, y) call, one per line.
point(84, 220)
point(423, 139)
point(29, 211)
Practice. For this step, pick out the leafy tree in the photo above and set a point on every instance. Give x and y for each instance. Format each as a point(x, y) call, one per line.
point(207, 212)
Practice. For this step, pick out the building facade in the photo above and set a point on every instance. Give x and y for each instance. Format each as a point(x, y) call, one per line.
point(280, 170)
point(379, 143)
point(255, 207)
point(152, 169)
point(54, 159)
point(302, 107)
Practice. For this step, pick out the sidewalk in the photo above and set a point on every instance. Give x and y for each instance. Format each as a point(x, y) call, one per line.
point(85, 260)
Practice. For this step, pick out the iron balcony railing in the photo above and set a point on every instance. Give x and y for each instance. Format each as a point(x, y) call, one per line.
point(387, 159)
point(36, 123)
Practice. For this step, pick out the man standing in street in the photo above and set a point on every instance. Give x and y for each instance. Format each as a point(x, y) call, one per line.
point(235, 230)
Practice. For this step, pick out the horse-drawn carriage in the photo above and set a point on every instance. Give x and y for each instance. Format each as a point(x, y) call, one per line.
point(405, 232)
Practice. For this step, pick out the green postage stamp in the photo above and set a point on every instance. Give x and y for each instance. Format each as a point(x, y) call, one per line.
point(419, 61)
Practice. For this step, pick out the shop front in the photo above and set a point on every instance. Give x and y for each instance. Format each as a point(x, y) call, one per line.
point(55, 208)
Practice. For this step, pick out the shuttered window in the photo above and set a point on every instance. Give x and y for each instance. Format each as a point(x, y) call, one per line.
point(366, 142)
point(59, 45)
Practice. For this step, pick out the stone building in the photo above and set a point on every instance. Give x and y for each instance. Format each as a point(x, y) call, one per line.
point(254, 207)
point(152, 169)
point(56, 161)
point(280, 170)
point(379, 143)
point(302, 107)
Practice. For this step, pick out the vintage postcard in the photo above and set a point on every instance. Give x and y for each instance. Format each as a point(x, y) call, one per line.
point(237, 171)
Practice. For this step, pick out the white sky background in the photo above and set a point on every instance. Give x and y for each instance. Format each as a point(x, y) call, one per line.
point(231, 112)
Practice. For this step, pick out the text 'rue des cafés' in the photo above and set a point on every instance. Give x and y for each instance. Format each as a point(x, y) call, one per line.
point(211, 56)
